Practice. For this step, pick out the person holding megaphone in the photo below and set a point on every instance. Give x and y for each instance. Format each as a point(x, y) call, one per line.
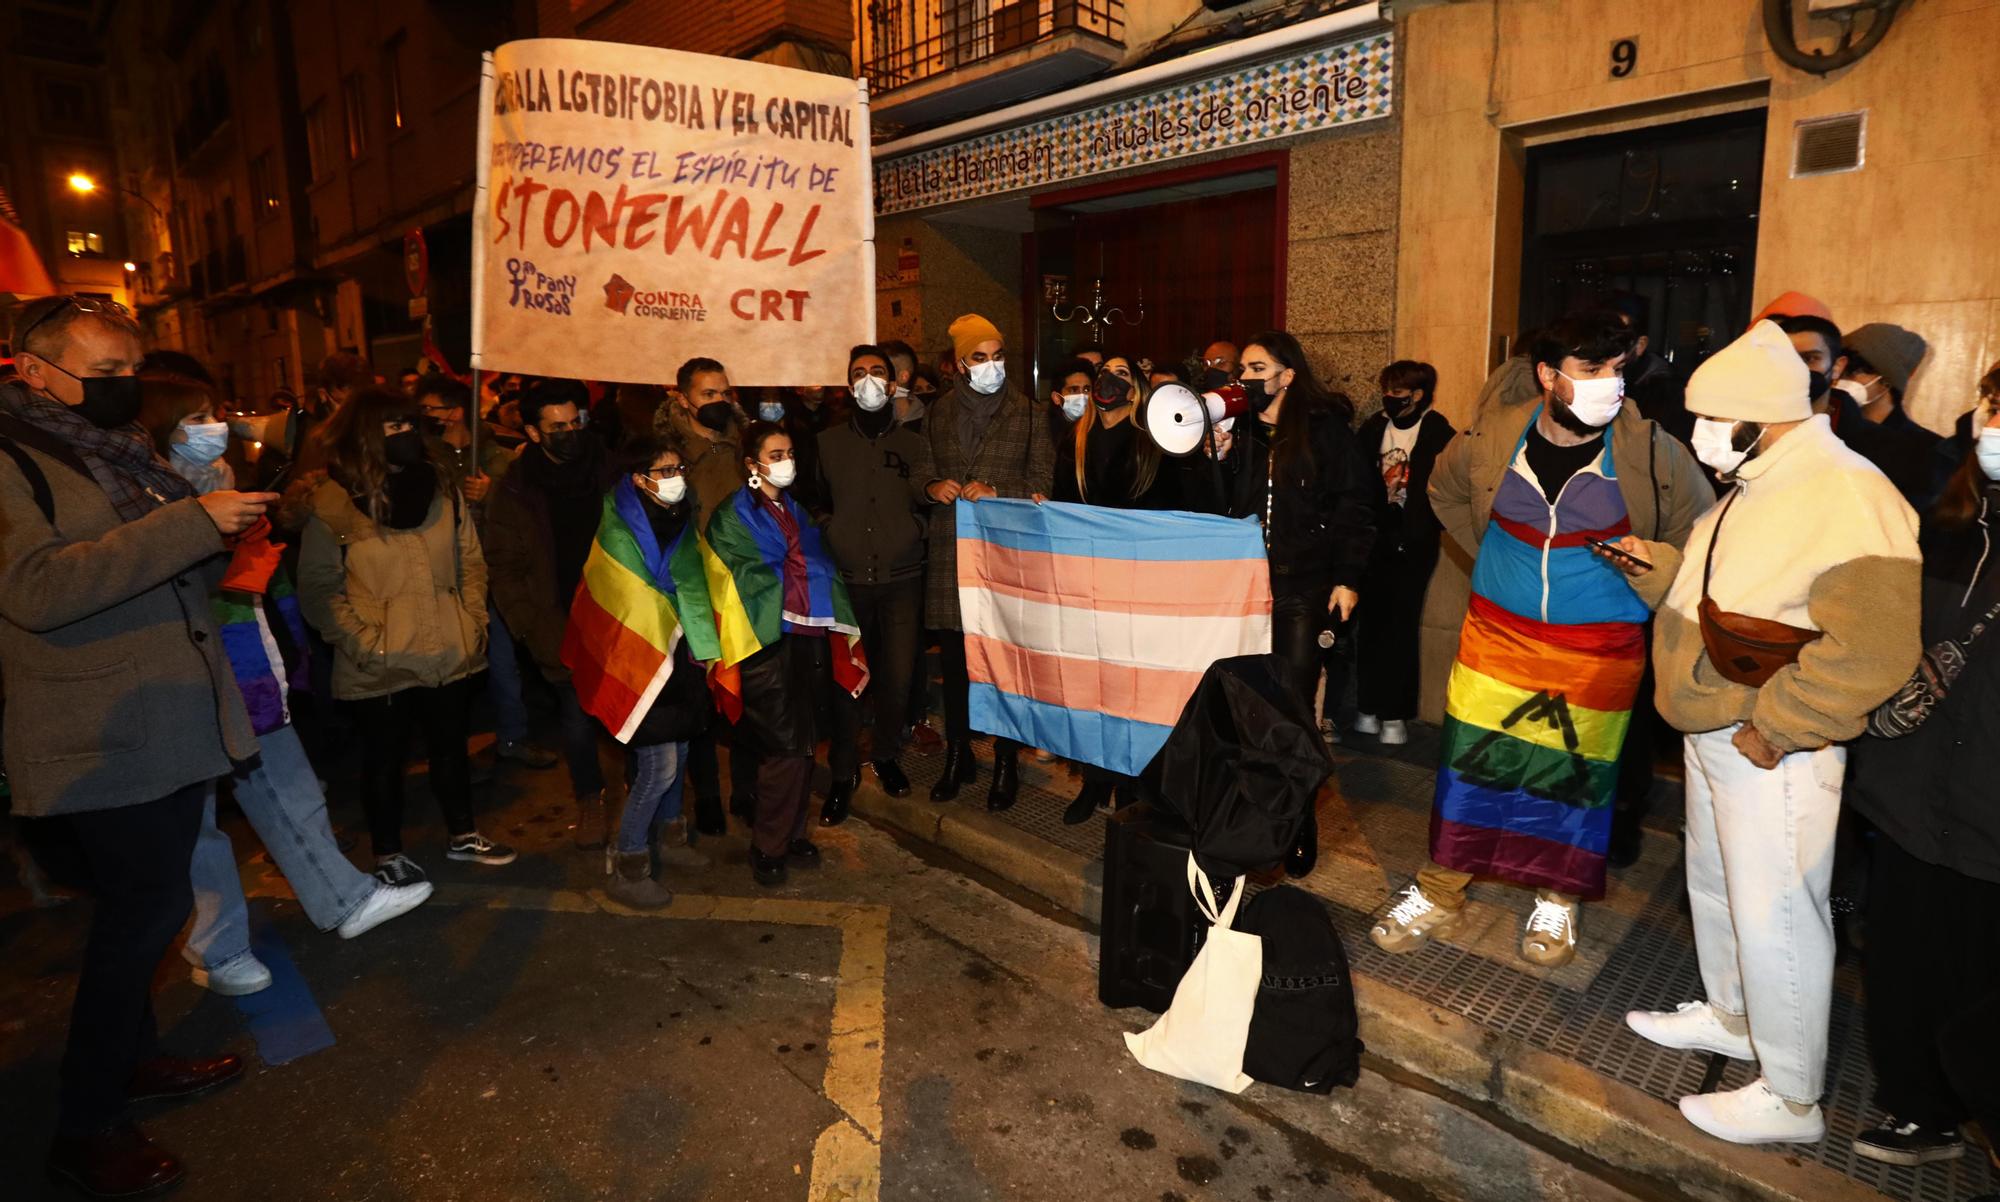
point(1107, 459)
point(1298, 469)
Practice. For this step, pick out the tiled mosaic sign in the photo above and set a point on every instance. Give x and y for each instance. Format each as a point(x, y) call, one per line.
point(1333, 85)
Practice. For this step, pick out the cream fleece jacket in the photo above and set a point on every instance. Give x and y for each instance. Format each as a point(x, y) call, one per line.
point(1817, 538)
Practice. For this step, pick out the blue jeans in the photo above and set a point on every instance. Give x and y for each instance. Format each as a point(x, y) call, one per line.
point(503, 679)
point(280, 795)
point(579, 731)
point(655, 795)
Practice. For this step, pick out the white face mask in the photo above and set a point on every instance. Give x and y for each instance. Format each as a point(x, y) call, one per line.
point(987, 377)
point(1988, 451)
point(781, 473)
point(670, 490)
point(1858, 391)
point(870, 393)
point(1073, 403)
point(1714, 444)
point(1595, 402)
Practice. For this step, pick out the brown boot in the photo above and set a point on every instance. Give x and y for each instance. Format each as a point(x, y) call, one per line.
point(671, 847)
point(591, 821)
point(632, 882)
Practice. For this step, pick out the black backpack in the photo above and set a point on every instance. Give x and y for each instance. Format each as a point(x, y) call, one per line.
point(1302, 1031)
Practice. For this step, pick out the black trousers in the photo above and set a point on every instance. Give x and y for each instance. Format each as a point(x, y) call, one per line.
point(135, 864)
point(1933, 980)
point(1297, 618)
point(1387, 660)
point(442, 715)
point(704, 771)
point(891, 620)
point(958, 693)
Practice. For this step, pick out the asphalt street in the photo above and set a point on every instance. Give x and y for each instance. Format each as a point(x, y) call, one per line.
point(889, 1026)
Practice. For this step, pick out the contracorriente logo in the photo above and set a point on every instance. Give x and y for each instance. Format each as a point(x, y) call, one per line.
point(617, 293)
point(621, 296)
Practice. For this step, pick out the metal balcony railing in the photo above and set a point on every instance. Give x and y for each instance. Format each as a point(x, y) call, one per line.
point(904, 41)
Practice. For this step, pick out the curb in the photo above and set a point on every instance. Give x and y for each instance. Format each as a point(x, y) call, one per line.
point(1604, 1119)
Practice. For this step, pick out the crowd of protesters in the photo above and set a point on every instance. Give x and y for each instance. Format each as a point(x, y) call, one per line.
point(200, 596)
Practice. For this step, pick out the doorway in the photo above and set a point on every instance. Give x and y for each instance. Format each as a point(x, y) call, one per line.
point(1161, 269)
point(1661, 221)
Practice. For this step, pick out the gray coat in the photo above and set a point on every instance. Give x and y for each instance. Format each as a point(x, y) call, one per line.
point(1017, 457)
point(117, 688)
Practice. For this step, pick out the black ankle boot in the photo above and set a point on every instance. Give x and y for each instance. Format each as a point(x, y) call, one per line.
point(1006, 785)
point(1088, 799)
point(958, 768)
point(839, 799)
point(1306, 853)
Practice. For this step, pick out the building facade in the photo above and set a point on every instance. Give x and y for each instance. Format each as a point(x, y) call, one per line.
point(1427, 180)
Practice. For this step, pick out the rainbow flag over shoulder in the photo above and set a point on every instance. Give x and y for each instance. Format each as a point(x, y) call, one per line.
point(1087, 629)
point(636, 602)
point(744, 558)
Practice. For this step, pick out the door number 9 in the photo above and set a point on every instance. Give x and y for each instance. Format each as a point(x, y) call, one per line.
point(1624, 57)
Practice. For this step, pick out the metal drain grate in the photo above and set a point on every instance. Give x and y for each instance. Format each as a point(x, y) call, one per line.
point(1654, 965)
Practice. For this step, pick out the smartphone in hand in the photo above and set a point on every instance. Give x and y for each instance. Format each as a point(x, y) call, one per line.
point(1616, 552)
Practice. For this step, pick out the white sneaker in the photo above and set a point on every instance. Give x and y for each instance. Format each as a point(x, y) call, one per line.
point(1753, 1115)
point(1366, 724)
point(1690, 1027)
point(1411, 922)
point(386, 902)
point(1394, 733)
point(240, 977)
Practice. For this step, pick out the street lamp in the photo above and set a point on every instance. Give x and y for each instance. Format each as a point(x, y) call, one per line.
point(85, 185)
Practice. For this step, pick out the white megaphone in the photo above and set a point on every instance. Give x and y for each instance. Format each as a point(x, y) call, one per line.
point(1178, 420)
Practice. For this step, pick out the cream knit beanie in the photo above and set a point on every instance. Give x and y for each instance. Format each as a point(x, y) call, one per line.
point(1757, 378)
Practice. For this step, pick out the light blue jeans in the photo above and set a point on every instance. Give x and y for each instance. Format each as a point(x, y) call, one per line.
point(655, 795)
point(280, 795)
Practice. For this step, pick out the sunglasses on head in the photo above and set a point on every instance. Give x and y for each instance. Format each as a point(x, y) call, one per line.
point(76, 304)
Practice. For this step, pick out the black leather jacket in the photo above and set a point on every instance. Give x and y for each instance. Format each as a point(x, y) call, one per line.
point(1322, 523)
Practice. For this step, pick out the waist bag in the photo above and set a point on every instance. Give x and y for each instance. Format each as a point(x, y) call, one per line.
point(1745, 650)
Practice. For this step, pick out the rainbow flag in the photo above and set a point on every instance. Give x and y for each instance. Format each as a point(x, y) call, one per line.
point(636, 602)
point(1087, 629)
point(744, 558)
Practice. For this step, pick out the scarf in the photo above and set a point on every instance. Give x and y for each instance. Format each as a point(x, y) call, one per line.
point(976, 411)
point(122, 461)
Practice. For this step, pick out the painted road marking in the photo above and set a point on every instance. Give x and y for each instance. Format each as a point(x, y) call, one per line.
point(847, 1156)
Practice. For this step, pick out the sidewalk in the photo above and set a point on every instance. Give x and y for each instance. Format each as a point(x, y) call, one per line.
point(1548, 1049)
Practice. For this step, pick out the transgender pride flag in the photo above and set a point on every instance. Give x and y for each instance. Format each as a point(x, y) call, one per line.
point(1087, 629)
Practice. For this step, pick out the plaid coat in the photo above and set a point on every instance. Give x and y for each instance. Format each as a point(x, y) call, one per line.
point(1017, 458)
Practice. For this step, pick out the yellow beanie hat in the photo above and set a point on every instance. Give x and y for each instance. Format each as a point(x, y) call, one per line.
point(969, 331)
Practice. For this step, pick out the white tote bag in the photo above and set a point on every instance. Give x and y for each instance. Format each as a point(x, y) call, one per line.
point(1201, 1036)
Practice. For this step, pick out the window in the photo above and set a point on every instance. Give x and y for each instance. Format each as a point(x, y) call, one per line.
point(392, 74)
point(316, 146)
point(357, 120)
point(85, 242)
point(263, 187)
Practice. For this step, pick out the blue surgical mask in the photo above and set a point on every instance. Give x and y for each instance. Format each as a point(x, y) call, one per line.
point(1988, 451)
point(1073, 404)
point(771, 411)
point(205, 443)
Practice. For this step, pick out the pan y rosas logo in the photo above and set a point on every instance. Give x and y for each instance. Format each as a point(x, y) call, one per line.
point(621, 296)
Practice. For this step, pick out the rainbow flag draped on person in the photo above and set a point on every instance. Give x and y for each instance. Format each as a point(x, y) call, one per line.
point(636, 602)
point(1087, 629)
point(744, 556)
point(1549, 660)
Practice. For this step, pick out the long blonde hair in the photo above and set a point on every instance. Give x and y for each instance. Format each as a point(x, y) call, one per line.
point(1148, 469)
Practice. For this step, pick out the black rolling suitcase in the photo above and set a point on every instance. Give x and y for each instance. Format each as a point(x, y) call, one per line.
point(1149, 928)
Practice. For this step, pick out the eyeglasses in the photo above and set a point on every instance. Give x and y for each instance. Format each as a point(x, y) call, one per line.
point(668, 472)
point(76, 304)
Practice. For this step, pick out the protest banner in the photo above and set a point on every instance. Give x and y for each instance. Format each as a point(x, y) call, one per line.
point(637, 207)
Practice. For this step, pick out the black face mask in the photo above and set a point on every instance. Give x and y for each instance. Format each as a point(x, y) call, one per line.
point(715, 415)
point(405, 449)
point(434, 425)
point(1213, 379)
point(1817, 382)
point(1259, 393)
point(108, 401)
point(1111, 390)
point(563, 445)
